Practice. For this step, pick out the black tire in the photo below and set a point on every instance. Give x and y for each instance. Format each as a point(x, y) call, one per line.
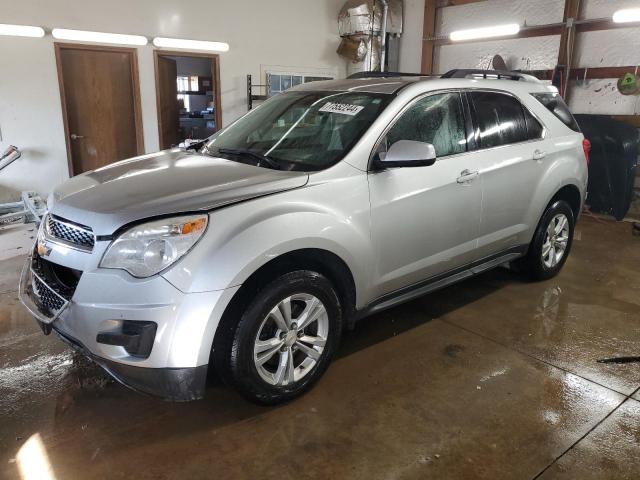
point(234, 348)
point(532, 264)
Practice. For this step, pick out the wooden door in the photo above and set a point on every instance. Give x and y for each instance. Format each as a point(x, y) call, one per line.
point(101, 105)
point(169, 130)
point(168, 102)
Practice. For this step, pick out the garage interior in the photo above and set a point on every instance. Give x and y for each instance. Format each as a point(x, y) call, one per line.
point(495, 377)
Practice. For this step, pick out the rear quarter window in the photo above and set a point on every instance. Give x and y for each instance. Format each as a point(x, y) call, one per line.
point(555, 104)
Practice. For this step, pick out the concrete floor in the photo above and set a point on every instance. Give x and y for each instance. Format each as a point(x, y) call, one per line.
point(494, 378)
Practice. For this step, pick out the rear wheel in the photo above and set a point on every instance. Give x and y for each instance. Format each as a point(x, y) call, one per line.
point(284, 340)
point(551, 242)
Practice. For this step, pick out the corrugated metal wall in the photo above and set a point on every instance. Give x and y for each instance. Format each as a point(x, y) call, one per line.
point(594, 49)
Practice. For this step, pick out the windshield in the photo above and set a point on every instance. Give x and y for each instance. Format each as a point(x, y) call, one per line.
point(299, 130)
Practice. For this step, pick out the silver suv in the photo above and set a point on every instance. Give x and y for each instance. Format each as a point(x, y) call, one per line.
point(252, 252)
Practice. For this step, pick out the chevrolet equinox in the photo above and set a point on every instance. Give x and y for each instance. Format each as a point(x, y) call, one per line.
point(253, 250)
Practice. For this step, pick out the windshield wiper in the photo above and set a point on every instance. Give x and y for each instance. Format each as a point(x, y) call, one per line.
point(262, 159)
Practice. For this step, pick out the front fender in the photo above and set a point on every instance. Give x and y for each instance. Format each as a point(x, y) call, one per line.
point(242, 238)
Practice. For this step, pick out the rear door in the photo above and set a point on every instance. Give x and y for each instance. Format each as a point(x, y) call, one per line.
point(424, 220)
point(511, 156)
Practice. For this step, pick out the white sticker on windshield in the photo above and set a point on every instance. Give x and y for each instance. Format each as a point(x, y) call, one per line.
point(344, 108)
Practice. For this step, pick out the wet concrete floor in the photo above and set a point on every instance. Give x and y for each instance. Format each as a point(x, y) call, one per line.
point(494, 378)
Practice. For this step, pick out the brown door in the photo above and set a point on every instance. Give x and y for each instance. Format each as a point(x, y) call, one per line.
point(168, 102)
point(101, 105)
point(169, 129)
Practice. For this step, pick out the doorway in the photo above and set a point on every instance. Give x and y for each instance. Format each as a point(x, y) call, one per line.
point(100, 95)
point(187, 96)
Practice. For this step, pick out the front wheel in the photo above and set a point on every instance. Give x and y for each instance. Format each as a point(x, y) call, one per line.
point(284, 340)
point(551, 242)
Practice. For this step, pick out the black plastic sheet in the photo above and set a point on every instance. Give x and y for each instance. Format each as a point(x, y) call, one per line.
point(614, 158)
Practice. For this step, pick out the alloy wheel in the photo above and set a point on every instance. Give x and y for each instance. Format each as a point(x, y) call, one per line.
point(291, 339)
point(556, 239)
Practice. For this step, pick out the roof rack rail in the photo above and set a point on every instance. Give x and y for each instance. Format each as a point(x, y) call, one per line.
point(384, 75)
point(497, 74)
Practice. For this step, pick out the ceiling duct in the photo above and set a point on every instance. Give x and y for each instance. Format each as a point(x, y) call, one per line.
point(365, 16)
point(363, 31)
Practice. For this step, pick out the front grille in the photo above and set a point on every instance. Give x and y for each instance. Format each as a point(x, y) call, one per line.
point(49, 278)
point(70, 233)
point(48, 299)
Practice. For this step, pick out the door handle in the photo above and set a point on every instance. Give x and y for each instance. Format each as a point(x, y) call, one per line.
point(466, 176)
point(76, 137)
point(539, 155)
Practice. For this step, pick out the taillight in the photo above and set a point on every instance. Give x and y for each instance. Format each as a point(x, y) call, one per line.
point(586, 146)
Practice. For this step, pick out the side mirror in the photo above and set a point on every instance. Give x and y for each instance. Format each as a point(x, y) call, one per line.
point(191, 145)
point(409, 153)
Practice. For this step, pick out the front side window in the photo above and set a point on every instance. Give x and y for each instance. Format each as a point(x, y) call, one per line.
point(500, 119)
point(299, 130)
point(437, 119)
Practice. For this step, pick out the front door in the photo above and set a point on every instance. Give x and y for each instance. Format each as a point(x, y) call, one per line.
point(425, 220)
point(99, 88)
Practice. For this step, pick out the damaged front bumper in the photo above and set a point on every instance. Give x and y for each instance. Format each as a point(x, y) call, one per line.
point(26, 293)
point(172, 384)
point(92, 323)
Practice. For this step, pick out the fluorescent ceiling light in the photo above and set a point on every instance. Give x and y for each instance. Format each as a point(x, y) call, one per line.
point(485, 32)
point(627, 15)
point(164, 42)
point(21, 30)
point(98, 37)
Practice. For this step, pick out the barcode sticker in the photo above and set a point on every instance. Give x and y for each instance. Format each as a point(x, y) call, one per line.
point(343, 108)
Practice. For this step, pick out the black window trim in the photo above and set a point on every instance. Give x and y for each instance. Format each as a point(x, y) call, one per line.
point(466, 112)
point(476, 127)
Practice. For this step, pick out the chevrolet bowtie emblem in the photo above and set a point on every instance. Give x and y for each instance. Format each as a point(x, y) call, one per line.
point(42, 249)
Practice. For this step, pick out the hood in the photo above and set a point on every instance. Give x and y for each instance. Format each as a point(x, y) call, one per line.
point(172, 181)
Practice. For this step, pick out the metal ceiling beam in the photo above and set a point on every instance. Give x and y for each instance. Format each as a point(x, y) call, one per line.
point(568, 42)
point(571, 14)
point(542, 31)
point(453, 3)
point(588, 73)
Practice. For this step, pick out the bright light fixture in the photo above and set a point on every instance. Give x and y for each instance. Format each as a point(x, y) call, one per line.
point(627, 15)
point(164, 42)
point(98, 37)
point(21, 30)
point(485, 32)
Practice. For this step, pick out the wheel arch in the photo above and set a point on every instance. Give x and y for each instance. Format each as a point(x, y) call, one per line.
point(319, 260)
point(570, 193)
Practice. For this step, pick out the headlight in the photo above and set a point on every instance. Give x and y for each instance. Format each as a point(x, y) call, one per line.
point(147, 249)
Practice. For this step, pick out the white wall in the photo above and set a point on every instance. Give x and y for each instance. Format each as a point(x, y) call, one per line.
point(606, 48)
point(533, 53)
point(303, 33)
point(30, 116)
point(618, 47)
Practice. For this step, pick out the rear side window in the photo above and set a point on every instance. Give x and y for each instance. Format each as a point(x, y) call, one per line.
point(555, 104)
point(500, 119)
